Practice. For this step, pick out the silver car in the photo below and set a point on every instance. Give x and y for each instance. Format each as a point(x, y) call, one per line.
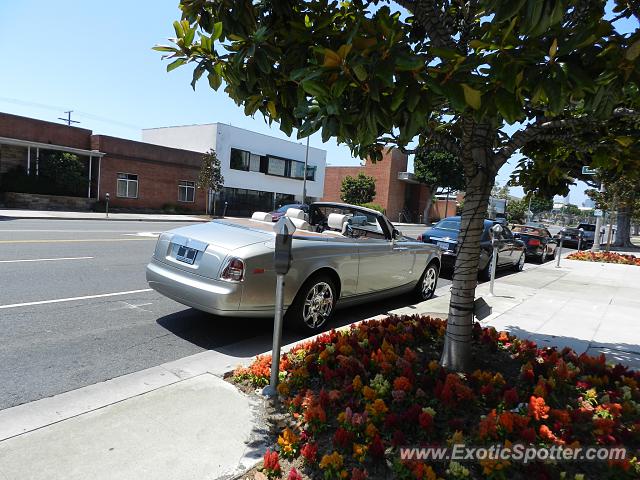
point(342, 255)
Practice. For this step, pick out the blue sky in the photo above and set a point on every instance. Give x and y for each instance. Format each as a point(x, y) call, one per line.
point(95, 57)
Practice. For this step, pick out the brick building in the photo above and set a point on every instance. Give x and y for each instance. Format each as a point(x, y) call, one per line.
point(137, 175)
point(397, 191)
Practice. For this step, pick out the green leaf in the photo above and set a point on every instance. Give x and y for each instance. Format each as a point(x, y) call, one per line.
point(508, 106)
point(214, 80)
point(508, 9)
point(189, 34)
point(164, 48)
point(315, 88)
point(197, 73)
point(398, 97)
point(271, 107)
point(625, 141)
point(177, 26)
point(633, 51)
point(472, 96)
point(175, 64)
point(360, 72)
point(217, 31)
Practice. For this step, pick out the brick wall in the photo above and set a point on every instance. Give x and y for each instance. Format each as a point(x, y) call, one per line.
point(159, 170)
point(24, 128)
point(47, 202)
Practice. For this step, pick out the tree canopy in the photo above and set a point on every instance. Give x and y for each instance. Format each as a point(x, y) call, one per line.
point(438, 169)
point(358, 190)
point(373, 73)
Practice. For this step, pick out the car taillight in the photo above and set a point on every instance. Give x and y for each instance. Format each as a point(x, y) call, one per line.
point(233, 271)
point(419, 238)
point(534, 242)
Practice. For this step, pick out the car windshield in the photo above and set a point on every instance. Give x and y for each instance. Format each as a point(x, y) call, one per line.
point(526, 229)
point(587, 227)
point(284, 208)
point(448, 224)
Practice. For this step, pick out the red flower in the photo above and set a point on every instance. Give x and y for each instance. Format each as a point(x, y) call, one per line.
point(310, 453)
point(343, 438)
point(294, 475)
point(528, 435)
point(357, 474)
point(426, 420)
point(377, 448)
point(511, 397)
point(402, 383)
point(271, 464)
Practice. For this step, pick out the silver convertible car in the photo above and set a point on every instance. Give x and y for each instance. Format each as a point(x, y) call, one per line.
point(341, 255)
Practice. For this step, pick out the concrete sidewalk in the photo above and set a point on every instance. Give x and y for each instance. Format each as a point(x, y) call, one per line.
point(589, 307)
point(51, 214)
point(181, 420)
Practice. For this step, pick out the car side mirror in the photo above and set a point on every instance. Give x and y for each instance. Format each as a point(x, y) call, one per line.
point(396, 234)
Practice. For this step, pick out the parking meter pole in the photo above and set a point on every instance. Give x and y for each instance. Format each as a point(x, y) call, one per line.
point(494, 260)
point(277, 335)
point(597, 240)
point(580, 235)
point(495, 232)
point(284, 229)
point(106, 211)
point(559, 254)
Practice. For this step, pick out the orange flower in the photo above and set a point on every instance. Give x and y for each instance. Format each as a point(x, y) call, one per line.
point(357, 383)
point(332, 462)
point(368, 392)
point(506, 421)
point(402, 383)
point(487, 427)
point(537, 408)
point(547, 434)
point(378, 408)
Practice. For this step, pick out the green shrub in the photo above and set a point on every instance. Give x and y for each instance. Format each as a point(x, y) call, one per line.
point(373, 206)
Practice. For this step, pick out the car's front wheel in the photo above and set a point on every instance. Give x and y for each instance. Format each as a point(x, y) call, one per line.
point(313, 305)
point(426, 286)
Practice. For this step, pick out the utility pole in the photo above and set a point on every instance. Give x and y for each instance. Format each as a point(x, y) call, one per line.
point(304, 180)
point(68, 119)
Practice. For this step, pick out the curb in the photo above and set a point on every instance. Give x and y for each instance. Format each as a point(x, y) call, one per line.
point(158, 220)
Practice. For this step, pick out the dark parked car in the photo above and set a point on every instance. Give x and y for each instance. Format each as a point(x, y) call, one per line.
point(511, 253)
point(572, 235)
point(276, 214)
point(539, 242)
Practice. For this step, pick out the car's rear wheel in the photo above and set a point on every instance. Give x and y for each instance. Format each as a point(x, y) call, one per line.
point(520, 265)
point(314, 304)
point(426, 286)
point(544, 257)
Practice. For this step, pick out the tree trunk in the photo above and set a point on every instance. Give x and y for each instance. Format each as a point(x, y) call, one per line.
point(426, 217)
point(457, 343)
point(623, 227)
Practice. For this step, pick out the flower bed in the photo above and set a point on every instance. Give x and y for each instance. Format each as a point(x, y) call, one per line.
point(607, 257)
point(355, 396)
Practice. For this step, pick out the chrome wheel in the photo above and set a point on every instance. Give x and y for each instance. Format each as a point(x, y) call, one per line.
point(520, 264)
point(545, 256)
point(318, 305)
point(429, 281)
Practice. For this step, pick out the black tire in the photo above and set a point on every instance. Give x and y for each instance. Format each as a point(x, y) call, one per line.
point(519, 265)
point(544, 257)
point(308, 315)
point(485, 273)
point(426, 286)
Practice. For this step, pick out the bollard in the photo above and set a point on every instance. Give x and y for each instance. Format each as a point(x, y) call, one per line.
point(559, 254)
point(284, 229)
point(106, 211)
point(580, 235)
point(495, 233)
point(224, 214)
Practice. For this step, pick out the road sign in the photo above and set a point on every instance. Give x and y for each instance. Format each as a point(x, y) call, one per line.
point(589, 171)
point(597, 213)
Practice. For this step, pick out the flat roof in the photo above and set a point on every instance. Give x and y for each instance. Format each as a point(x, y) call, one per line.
point(49, 146)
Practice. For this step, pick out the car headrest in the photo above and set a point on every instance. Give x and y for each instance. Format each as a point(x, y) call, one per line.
point(295, 213)
point(300, 224)
point(262, 216)
point(336, 221)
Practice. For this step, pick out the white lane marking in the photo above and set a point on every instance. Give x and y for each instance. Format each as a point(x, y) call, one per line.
point(46, 259)
point(131, 306)
point(73, 299)
point(143, 234)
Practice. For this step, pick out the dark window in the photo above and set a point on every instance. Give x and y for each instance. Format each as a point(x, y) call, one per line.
point(240, 160)
point(127, 185)
point(186, 191)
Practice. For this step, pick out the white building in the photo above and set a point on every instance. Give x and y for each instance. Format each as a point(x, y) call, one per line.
point(260, 172)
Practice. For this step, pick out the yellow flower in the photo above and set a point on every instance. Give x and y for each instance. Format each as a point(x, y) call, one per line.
point(287, 442)
point(359, 452)
point(368, 392)
point(456, 439)
point(283, 389)
point(433, 366)
point(371, 430)
point(333, 461)
point(377, 408)
point(357, 383)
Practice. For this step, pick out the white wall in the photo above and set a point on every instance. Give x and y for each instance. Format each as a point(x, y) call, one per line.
point(223, 138)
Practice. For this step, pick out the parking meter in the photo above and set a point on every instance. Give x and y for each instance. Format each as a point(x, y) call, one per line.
point(284, 229)
point(496, 234)
point(580, 237)
point(559, 254)
point(106, 196)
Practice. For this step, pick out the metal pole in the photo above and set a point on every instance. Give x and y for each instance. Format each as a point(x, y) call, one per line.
point(90, 162)
point(224, 214)
point(304, 180)
point(529, 213)
point(446, 204)
point(559, 254)
point(597, 237)
point(494, 260)
point(580, 235)
point(610, 231)
point(271, 390)
point(28, 160)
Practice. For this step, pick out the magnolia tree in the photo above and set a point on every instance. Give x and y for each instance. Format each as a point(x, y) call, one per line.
point(358, 190)
point(210, 177)
point(372, 73)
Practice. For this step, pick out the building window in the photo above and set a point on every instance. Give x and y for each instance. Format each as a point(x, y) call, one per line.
point(186, 191)
point(240, 160)
point(277, 166)
point(127, 185)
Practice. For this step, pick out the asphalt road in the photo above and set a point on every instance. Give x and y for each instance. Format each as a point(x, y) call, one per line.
point(75, 309)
